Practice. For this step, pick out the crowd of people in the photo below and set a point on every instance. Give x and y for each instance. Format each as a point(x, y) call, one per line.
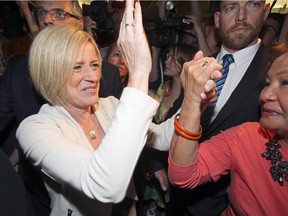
point(137, 126)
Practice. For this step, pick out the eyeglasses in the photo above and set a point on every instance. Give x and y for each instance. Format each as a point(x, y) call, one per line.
point(56, 14)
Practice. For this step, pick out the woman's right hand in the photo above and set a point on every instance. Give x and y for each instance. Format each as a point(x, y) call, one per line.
point(198, 77)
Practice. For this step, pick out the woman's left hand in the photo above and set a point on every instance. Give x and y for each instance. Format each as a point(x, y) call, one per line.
point(133, 41)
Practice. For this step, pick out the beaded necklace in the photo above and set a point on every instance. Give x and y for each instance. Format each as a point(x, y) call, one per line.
point(279, 168)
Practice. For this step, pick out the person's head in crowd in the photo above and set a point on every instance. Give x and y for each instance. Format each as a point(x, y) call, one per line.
point(273, 97)
point(66, 80)
point(115, 57)
point(176, 57)
point(58, 13)
point(240, 22)
point(189, 38)
point(271, 29)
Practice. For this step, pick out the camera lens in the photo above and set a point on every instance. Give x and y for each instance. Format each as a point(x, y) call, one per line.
point(169, 5)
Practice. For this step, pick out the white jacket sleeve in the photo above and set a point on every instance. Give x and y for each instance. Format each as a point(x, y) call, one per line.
point(103, 174)
point(162, 135)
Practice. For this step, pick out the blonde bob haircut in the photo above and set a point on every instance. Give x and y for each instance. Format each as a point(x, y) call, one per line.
point(52, 58)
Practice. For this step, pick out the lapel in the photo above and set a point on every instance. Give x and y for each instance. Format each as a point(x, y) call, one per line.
point(250, 82)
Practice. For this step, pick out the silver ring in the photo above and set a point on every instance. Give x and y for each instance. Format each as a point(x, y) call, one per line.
point(205, 64)
point(129, 24)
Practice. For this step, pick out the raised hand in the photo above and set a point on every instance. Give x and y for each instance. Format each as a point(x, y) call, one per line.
point(197, 78)
point(24, 7)
point(133, 41)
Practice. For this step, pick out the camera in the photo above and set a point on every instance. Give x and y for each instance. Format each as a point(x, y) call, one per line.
point(170, 31)
point(105, 27)
point(99, 13)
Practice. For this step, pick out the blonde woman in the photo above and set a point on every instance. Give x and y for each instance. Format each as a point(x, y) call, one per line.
point(86, 146)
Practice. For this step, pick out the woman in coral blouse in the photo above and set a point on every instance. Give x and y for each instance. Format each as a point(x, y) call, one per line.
point(255, 154)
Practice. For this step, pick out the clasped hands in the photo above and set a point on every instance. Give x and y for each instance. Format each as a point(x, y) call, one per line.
point(198, 79)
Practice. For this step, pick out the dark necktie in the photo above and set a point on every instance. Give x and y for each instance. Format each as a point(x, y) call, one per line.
point(207, 114)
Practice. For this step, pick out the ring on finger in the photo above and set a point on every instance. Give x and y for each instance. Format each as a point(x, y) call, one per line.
point(205, 64)
point(129, 24)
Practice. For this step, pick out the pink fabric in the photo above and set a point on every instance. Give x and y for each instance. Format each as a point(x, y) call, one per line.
point(252, 190)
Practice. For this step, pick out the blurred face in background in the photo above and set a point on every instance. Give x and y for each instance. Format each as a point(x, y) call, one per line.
point(172, 66)
point(116, 58)
point(270, 31)
point(190, 39)
point(49, 19)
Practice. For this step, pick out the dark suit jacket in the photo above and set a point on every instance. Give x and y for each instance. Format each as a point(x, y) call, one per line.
point(13, 196)
point(242, 106)
point(110, 84)
point(18, 100)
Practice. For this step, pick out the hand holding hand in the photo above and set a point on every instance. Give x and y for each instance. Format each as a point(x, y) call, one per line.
point(133, 41)
point(197, 78)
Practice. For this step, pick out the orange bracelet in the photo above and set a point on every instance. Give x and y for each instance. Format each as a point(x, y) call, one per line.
point(184, 133)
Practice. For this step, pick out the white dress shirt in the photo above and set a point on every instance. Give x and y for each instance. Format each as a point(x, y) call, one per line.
point(237, 69)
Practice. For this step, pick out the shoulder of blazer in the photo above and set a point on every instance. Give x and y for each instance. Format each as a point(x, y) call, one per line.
point(110, 83)
point(19, 61)
point(18, 69)
point(109, 70)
